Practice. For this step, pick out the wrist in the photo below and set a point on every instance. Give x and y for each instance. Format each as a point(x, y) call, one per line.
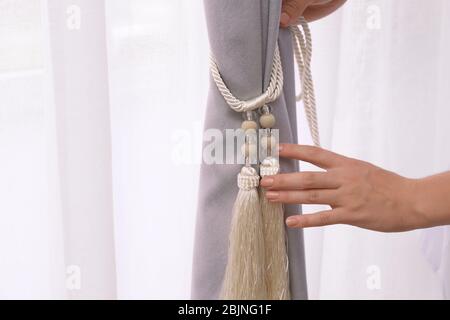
point(418, 204)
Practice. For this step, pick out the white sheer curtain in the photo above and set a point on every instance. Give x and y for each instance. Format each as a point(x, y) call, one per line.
point(101, 104)
point(383, 75)
point(158, 55)
point(101, 108)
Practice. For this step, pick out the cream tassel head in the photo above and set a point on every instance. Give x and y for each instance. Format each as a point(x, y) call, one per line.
point(245, 272)
point(269, 167)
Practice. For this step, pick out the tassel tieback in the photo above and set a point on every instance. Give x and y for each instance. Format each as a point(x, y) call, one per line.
point(258, 266)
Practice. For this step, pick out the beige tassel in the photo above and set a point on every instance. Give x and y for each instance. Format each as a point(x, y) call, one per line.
point(245, 272)
point(277, 265)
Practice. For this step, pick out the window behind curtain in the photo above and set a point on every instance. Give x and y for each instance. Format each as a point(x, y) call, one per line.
point(22, 108)
point(29, 264)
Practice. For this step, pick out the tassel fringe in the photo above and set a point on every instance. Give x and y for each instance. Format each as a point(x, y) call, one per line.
point(245, 275)
point(277, 264)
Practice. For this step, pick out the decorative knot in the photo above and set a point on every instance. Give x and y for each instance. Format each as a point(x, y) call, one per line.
point(248, 179)
point(269, 167)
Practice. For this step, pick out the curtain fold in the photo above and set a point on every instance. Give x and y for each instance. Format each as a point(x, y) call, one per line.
point(79, 81)
point(243, 36)
point(56, 230)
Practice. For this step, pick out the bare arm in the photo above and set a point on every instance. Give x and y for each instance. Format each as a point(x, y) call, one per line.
point(433, 198)
point(359, 193)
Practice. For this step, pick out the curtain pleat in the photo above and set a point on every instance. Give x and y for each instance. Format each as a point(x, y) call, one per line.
point(84, 162)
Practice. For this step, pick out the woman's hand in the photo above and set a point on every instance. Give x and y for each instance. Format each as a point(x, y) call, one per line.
point(359, 193)
point(312, 10)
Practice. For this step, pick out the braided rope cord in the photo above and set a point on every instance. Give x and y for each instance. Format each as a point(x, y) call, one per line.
point(270, 95)
point(303, 56)
point(302, 43)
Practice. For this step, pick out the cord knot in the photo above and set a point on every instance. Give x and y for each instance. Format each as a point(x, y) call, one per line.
point(248, 179)
point(269, 167)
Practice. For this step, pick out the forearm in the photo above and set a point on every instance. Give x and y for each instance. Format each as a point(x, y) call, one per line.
point(432, 199)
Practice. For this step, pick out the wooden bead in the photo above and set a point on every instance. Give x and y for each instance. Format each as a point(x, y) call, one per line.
point(268, 142)
point(249, 150)
point(267, 121)
point(249, 125)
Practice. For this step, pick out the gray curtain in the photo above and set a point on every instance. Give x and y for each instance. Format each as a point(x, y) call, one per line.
point(243, 36)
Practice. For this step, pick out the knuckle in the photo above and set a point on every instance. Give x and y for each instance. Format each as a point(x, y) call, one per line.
point(352, 162)
point(365, 171)
point(307, 181)
point(285, 196)
point(312, 196)
point(293, 6)
point(352, 218)
point(314, 151)
point(324, 219)
point(341, 174)
point(279, 181)
point(307, 222)
point(294, 149)
point(358, 205)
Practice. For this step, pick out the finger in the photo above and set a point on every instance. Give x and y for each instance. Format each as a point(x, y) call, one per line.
point(301, 181)
point(320, 157)
point(316, 12)
point(320, 219)
point(327, 196)
point(292, 10)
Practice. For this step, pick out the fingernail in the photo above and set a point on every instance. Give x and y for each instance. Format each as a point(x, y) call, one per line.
point(291, 222)
point(272, 195)
point(284, 19)
point(280, 147)
point(266, 182)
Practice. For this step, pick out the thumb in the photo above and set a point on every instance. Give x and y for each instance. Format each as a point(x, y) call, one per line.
point(320, 219)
